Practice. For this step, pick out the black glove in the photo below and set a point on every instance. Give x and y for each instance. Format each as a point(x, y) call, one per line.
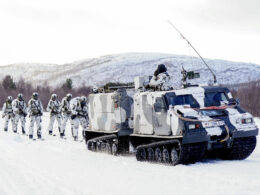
point(73, 116)
point(54, 112)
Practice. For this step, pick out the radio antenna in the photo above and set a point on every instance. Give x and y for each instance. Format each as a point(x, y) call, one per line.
point(214, 76)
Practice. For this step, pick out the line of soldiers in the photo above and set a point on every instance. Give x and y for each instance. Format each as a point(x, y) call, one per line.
point(75, 110)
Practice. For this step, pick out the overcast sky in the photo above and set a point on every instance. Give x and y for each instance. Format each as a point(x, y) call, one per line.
point(60, 31)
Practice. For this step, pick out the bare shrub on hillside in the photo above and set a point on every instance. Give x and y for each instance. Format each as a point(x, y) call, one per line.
point(248, 94)
point(44, 91)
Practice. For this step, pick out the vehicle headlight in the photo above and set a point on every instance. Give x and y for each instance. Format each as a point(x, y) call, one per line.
point(208, 124)
point(194, 126)
point(244, 121)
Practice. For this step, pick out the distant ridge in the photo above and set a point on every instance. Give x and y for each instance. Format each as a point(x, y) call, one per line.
point(124, 67)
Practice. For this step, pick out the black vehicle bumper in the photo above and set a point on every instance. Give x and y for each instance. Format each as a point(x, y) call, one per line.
point(237, 134)
point(193, 138)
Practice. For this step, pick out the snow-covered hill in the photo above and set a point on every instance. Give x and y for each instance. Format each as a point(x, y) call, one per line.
point(56, 166)
point(124, 67)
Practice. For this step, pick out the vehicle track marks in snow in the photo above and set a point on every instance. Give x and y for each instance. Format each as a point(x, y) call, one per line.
point(57, 166)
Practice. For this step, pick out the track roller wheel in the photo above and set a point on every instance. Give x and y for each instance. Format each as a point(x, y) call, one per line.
point(93, 146)
point(158, 155)
point(98, 146)
point(174, 156)
point(89, 145)
point(141, 154)
point(108, 148)
point(165, 155)
point(103, 147)
point(150, 154)
point(114, 149)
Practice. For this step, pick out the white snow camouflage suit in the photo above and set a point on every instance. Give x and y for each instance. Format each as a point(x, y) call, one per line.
point(20, 112)
point(35, 111)
point(8, 115)
point(54, 108)
point(79, 116)
point(66, 113)
point(161, 81)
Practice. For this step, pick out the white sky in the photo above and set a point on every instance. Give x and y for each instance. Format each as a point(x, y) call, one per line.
point(60, 31)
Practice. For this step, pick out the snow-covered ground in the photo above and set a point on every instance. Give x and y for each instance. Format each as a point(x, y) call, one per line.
point(56, 166)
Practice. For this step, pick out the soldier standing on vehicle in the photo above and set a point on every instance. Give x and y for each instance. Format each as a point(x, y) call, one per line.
point(20, 112)
point(66, 112)
point(79, 115)
point(35, 111)
point(160, 79)
point(8, 113)
point(54, 108)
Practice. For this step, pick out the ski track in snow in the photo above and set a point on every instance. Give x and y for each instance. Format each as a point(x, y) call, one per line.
point(56, 166)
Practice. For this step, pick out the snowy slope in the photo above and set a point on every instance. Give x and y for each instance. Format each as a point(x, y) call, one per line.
point(124, 67)
point(57, 166)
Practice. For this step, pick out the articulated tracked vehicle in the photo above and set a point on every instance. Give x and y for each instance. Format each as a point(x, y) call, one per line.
point(176, 126)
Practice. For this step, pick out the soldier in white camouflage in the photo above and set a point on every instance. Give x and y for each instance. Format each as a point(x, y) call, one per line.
point(160, 79)
point(8, 114)
point(54, 107)
point(79, 115)
point(66, 112)
point(35, 111)
point(20, 112)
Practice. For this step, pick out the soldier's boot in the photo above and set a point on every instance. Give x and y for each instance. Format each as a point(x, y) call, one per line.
point(75, 138)
point(30, 136)
point(62, 134)
point(5, 129)
point(23, 131)
point(15, 130)
point(50, 132)
point(39, 136)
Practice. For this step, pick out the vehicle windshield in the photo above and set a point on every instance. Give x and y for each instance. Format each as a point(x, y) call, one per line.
point(174, 100)
point(215, 98)
point(213, 113)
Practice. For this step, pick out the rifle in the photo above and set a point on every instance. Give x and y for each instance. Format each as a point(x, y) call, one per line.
point(37, 108)
point(21, 110)
point(55, 108)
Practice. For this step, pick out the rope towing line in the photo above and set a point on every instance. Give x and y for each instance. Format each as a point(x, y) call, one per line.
point(197, 120)
point(213, 74)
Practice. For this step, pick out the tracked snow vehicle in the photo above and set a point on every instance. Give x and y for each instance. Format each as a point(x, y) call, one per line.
point(171, 126)
point(110, 120)
point(177, 126)
point(180, 126)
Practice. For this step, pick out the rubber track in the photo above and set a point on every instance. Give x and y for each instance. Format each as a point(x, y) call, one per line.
point(189, 153)
point(101, 138)
point(240, 150)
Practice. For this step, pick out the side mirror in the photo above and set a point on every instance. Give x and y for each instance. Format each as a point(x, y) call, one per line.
point(238, 101)
point(233, 101)
point(158, 107)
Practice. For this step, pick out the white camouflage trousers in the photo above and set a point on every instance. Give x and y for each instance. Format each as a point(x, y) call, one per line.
point(66, 117)
point(7, 118)
point(52, 120)
point(35, 119)
point(20, 118)
point(79, 120)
